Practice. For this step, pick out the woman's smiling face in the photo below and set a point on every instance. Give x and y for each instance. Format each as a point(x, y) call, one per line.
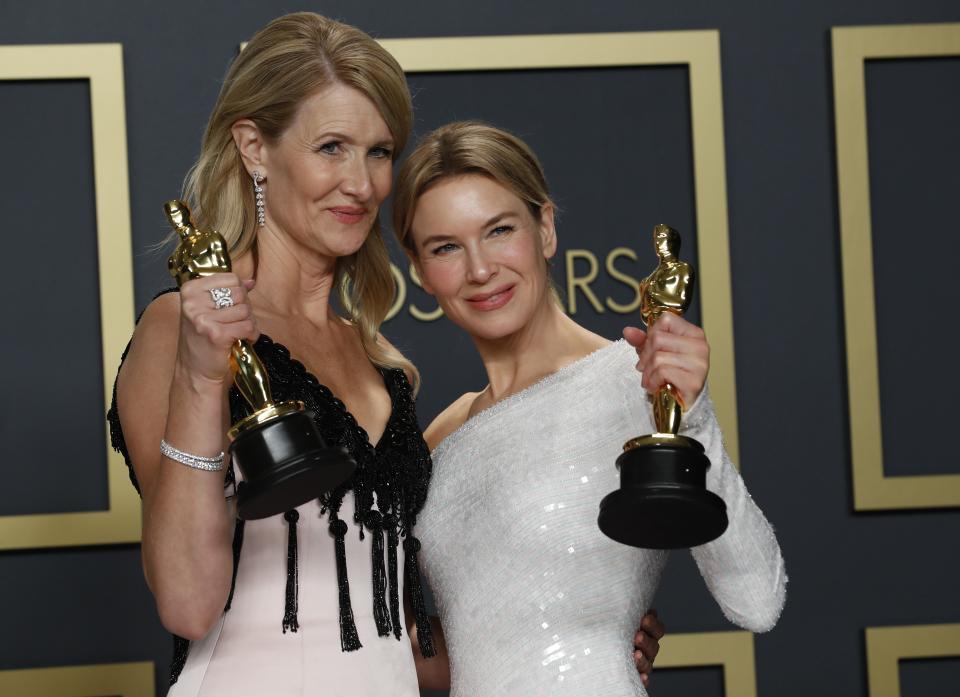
point(329, 172)
point(480, 251)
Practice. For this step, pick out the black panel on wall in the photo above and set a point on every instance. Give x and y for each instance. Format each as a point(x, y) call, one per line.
point(49, 299)
point(929, 677)
point(914, 141)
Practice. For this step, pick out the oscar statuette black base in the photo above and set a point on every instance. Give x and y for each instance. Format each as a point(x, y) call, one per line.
point(663, 502)
point(285, 463)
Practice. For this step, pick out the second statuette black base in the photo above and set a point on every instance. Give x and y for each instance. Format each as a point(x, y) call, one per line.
point(663, 502)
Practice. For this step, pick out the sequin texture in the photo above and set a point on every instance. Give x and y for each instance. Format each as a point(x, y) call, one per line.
point(534, 600)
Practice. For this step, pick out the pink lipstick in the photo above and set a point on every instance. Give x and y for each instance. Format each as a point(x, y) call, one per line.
point(493, 300)
point(349, 215)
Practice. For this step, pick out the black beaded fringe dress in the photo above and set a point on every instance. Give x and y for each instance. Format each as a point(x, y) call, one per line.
point(389, 488)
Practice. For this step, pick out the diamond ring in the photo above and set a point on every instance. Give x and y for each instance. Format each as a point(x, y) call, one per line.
point(221, 297)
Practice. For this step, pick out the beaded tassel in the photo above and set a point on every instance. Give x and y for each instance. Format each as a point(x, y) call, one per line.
point(349, 639)
point(380, 614)
point(290, 606)
point(424, 633)
point(237, 544)
point(392, 543)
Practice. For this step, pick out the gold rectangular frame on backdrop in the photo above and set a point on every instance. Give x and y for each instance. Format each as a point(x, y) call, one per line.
point(852, 46)
point(733, 651)
point(102, 680)
point(102, 65)
point(887, 646)
point(700, 52)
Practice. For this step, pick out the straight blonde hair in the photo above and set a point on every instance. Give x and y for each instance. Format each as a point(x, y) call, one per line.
point(469, 147)
point(287, 61)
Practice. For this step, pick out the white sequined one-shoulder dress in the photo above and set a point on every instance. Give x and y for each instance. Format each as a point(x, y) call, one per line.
point(533, 598)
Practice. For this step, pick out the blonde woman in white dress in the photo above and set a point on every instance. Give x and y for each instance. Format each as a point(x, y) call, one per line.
point(509, 537)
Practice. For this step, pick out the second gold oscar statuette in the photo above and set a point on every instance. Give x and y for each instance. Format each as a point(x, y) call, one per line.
point(281, 455)
point(663, 502)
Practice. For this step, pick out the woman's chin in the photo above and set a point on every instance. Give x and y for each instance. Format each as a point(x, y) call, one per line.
point(493, 328)
point(341, 248)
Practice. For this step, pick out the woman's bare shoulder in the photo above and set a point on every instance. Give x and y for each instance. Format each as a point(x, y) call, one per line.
point(150, 358)
point(162, 312)
point(143, 385)
point(449, 420)
point(156, 335)
point(158, 330)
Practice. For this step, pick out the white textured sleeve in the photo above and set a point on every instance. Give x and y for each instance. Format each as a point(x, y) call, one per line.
point(743, 568)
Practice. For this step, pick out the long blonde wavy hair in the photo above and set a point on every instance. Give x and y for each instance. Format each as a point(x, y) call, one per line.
point(290, 59)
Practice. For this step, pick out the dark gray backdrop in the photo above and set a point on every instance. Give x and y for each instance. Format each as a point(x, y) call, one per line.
point(616, 146)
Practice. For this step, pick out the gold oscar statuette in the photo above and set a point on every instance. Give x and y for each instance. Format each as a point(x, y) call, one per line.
point(663, 502)
point(281, 455)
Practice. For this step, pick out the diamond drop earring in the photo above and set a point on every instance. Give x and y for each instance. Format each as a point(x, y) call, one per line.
point(258, 193)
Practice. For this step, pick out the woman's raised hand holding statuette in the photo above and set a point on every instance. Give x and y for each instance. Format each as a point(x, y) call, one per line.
point(663, 502)
point(281, 455)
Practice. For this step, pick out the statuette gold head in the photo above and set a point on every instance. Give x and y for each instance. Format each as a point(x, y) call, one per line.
point(179, 216)
point(666, 241)
point(200, 252)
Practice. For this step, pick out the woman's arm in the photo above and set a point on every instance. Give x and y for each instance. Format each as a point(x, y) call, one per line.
point(743, 568)
point(173, 385)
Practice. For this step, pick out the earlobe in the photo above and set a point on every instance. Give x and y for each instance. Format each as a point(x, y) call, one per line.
point(250, 145)
point(548, 231)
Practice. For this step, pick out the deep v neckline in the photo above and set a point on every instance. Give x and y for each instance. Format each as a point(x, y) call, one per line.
point(338, 403)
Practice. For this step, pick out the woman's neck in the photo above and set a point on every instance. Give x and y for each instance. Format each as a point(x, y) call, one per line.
point(545, 345)
point(291, 282)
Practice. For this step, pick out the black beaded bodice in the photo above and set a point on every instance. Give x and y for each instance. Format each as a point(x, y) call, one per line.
point(395, 471)
point(389, 487)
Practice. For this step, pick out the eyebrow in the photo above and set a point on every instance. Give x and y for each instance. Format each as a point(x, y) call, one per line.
point(434, 239)
point(498, 217)
point(335, 135)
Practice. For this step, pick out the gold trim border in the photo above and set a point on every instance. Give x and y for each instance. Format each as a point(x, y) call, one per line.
point(887, 646)
point(852, 46)
point(700, 51)
point(731, 650)
point(102, 65)
point(115, 679)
